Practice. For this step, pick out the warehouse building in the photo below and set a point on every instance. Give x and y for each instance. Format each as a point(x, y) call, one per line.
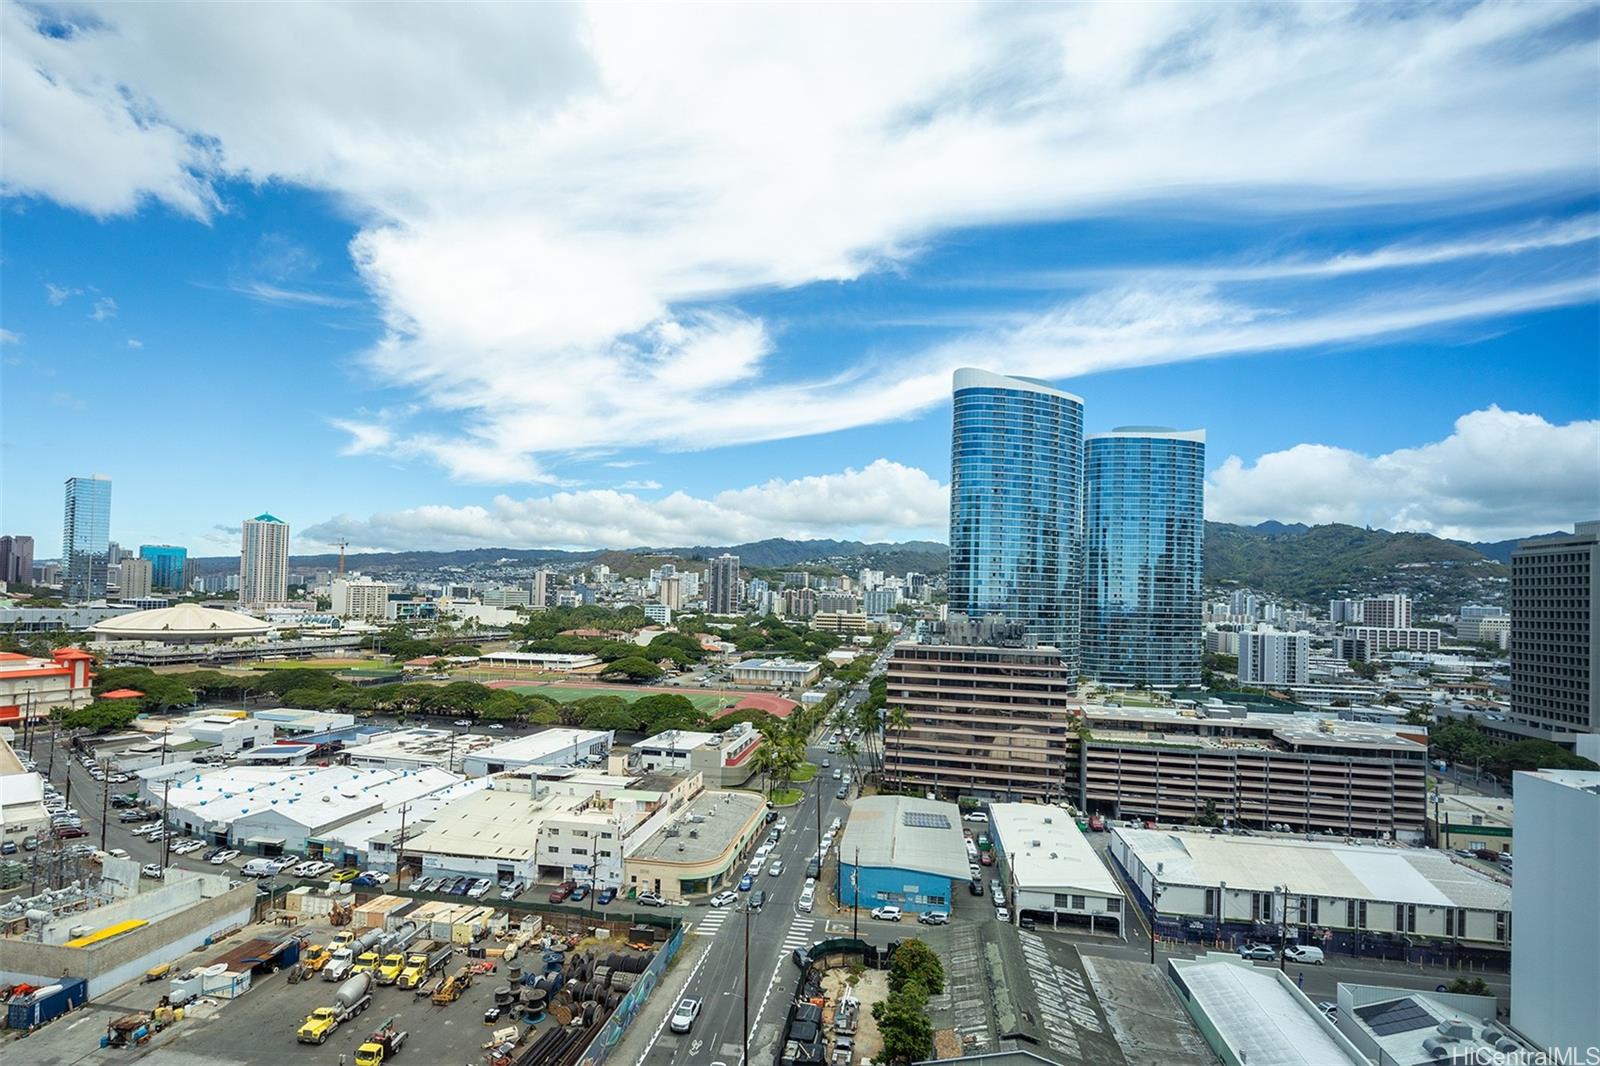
point(902, 850)
point(1368, 899)
point(416, 749)
point(270, 810)
point(1255, 1016)
point(552, 747)
point(1050, 871)
point(1476, 823)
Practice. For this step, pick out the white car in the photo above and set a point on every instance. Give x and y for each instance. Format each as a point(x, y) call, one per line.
point(781, 824)
point(152, 871)
point(117, 853)
point(223, 857)
point(776, 869)
point(886, 914)
point(975, 816)
point(463, 721)
point(725, 899)
point(934, 918)
point(1002, 914)
point(378, 877)
point(683, 1018)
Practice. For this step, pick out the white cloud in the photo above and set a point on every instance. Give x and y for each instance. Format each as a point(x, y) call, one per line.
point(135, 342)
point(104, 308)
point(10, 337)
point(556, 201)
point(59, 294)
point(884, 500)
point(1500, 474)
point(640, 486)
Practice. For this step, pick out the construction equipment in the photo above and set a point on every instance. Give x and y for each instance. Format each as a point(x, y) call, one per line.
point(382, 1045)
point(316, 957)
point(453, 986)
point(341, 914)
point(353, 997)
point(424, 960)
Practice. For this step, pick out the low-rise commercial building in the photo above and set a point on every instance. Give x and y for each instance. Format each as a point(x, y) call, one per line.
point(983, 721)
point(698, 847)
point(1251, 1015)
point(34, 688)
point(1463, 820)
point(775, 673)
point(1050, 871)
point(552, 747)
point(904, 851)
point(1350, 898)
point(413, 749)
point(22, 812)
point(1402, 1027)
point(1312, 774)
point(726, 759)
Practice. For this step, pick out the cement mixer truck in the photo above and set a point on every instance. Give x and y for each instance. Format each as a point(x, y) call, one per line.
point(345, 954)
point(353, 997)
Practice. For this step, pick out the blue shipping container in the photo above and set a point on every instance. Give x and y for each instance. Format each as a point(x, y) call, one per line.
point(47, 1004)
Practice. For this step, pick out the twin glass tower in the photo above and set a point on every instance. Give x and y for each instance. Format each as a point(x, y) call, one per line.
point(1093, 544)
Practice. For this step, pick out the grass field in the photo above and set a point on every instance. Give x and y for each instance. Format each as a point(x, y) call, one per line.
point(704, 701)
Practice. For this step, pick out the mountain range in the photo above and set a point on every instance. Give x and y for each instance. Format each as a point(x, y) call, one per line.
point(1292, 560)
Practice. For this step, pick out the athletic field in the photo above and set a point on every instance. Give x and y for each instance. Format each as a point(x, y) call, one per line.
point(704, 701)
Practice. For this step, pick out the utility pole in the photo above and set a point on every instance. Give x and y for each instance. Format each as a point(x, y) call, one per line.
point(855, 896)
point(50, 771)
point(400, 846)
point(1283, 921)
point(105, 801)
point(1155, 896)
point(166, 837)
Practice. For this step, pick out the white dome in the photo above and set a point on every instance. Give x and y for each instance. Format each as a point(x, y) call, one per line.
point(185, 622)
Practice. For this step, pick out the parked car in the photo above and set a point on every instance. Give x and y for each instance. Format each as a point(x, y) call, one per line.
point(886, 914)
point(650, 899)
point(580, 893)
point(934, 918)
point(152, 871)
point(746, 883)
point(1258, 951)
point(1304, 953)
point(843, 792)
point(975, 886)
point(724, 899)
point(685, 1014)
point(606, 895)
point(479, 889)
point(341, 876)
point(68, 832)
point(783, 823)
point(776, 869)
point(975, 816)
point(560, 893)
point(463, 721)
point(1002, 914)
point(758, 899)
point(116, 853)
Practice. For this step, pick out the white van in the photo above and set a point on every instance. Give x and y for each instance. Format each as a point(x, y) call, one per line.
point(260, 868)
point(1303, 953)
point(808, 897)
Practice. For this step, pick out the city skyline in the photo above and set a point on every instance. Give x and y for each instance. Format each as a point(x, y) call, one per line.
point(1380, 317)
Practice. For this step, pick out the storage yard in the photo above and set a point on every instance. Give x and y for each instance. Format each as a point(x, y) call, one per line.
point(328, 979)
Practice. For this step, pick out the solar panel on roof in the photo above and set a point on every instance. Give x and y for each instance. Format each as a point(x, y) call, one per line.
point(924, 820)
point(1396, 1016)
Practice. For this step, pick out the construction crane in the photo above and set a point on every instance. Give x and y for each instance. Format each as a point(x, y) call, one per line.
point(343, 544)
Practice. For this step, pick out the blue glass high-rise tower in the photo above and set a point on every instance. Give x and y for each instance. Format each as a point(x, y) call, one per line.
point(85, 538)
point(1016, 505)
point(1144, 530)
point(166, 564)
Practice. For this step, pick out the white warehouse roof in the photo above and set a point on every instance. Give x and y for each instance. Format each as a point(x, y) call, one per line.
point(1047, 852)
point(312, 796)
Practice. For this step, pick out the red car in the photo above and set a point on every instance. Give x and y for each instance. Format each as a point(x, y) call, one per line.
point(68, 832)
point(1097, 823)
point(987, 858)
point(560, 893)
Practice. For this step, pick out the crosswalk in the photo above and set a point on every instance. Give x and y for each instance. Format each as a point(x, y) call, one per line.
point(802, 931)
point(712, 922)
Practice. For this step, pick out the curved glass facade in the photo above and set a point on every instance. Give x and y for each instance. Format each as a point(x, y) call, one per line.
point(1016, 505)
point(1144, 531)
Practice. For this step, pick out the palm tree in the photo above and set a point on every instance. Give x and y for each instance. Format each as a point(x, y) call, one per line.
point(850, 749)
point(898, 724)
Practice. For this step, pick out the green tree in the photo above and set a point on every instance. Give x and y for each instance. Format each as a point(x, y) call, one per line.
point(632, 669)
point(914, 962)
point(1468, 986)
point(102, 716)
point(896, 724)
point(904, 1026)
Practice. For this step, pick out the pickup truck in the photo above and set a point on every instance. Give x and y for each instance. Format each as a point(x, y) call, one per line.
point(381, 1046)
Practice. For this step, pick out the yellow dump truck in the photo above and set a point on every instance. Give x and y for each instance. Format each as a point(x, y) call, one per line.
point(423, 961)
point(367, 962)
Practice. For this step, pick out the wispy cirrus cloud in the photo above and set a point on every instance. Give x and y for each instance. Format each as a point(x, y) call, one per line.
point(559, 269)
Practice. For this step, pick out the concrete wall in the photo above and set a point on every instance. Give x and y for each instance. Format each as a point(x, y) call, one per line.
point(1555, 928)
point(124, 958)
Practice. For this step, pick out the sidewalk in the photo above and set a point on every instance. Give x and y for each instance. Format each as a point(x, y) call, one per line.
point(652, 1019)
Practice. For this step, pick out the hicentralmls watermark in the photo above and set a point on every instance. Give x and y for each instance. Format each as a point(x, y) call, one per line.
point(1570, 1056)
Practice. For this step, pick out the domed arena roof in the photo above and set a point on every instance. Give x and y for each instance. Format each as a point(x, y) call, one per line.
point(185, 623)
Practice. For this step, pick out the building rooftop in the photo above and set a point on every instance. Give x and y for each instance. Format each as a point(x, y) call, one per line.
point(310, 795)
point(418, 815)
point(186, 621)
point(906, 833)
point(542, 745)
point(420, 745)
point(1258, 1014)
point(1330, 868)
point(702, 829)
point(777, 664)
point(1158, 725)
point(1581, 780)
point(1045, 849)
point(677, 740)
point(493, 823)
point(1407, 1027)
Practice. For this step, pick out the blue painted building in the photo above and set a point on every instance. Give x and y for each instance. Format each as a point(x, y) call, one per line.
point(904, 851)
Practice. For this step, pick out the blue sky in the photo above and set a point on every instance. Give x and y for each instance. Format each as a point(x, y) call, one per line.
point(430, 295)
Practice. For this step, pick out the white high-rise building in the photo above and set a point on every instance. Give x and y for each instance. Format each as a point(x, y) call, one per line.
point(135, 578)
point(1267, 657)
point(722, 585)
point(1555, 910)
point(671, 592)
point(359, 597)
point(264, 561)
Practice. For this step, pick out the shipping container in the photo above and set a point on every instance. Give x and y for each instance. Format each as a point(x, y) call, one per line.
point(47, 1004)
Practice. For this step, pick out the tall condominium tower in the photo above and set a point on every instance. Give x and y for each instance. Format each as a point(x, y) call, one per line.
point(722, 585)
point(16, 560)
point(1555, 634)
point(1144, 526)
point(85, 538)
point(167, 564)
point(1016, 505)
point(264, 560)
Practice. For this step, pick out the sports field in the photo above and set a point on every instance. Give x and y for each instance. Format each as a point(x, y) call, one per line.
point(704, 701)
